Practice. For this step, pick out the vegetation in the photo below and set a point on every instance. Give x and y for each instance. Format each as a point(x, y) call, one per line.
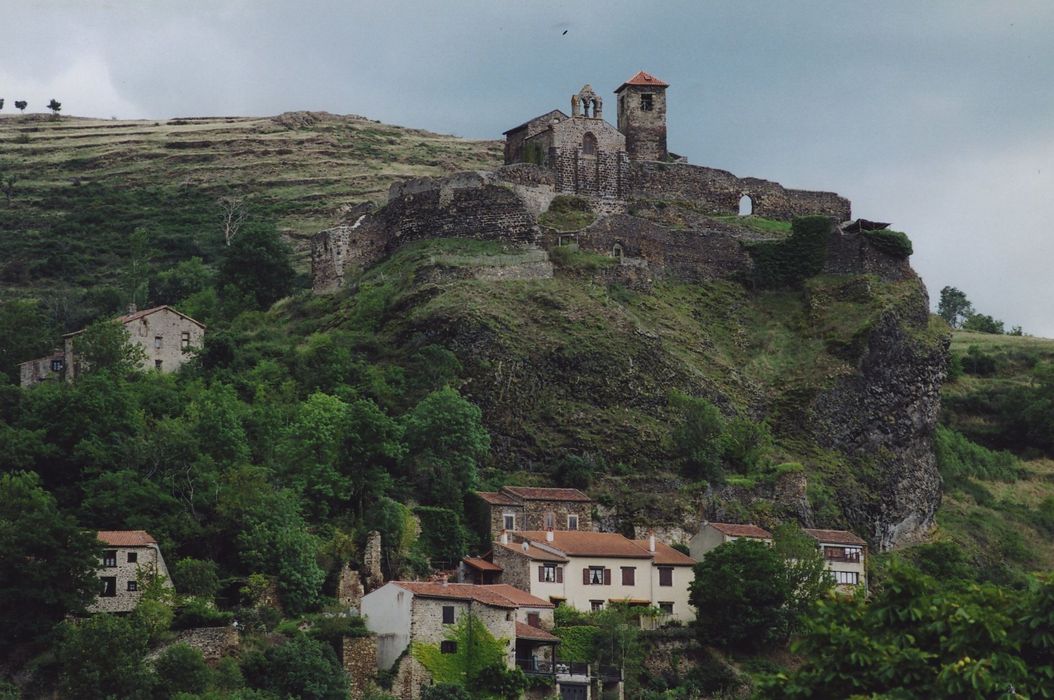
point(568, 213)
point(790, 261)
point(476, 667)
point(894, 243)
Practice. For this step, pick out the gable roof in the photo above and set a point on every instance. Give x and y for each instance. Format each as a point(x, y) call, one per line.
point(135, 316)
point(548, 116)
point(533, 553)
point(126, 538)
point(499, 595)
point(496, 499)
point(525, 631)
point(589, 544)
point(739, 530)
point(834, 537)
point(667, 555)
point(481, 564)
point(642, 78)
point(537, 493)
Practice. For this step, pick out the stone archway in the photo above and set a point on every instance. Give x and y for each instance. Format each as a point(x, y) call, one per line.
point(589, 144)
point(746, 205)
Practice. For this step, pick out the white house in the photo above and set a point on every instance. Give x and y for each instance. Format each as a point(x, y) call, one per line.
point(713, 535)
point(845, 555)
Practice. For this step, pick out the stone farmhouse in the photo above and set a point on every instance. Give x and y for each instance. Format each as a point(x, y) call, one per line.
point(534, 508)
point(165, 335)
point(713, 535)
point(129, 557)
point(845, 555)
point(404, 613)
point(590, 570)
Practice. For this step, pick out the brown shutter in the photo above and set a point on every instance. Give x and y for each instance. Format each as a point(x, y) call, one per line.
point(607, 577)
point(585, 577)
point(541, 573)
point(559, 574)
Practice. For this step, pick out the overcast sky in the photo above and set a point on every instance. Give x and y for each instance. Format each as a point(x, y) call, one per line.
point(935, 116)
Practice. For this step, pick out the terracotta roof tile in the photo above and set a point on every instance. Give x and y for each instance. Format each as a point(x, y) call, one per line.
point(835, 537)
point(128, 318)
point(496, 499)
point(534, 493)
point(525, 631)
point(533, 553)
point(642, 78)
point(499, 595)
point(738, 530)
point(126, 538)
point(481, 564)
point(522, 598)
point(665, 554)
point(581, 543)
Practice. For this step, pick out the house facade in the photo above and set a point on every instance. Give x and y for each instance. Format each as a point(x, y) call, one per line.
point(129, 556)
point(845, 555)
point(48, 368)
point(533, 508)
point(713, 535)
point(404, 613)
point(591, 570)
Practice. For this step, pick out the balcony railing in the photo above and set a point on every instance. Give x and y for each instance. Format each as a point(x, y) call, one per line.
point(539, 667)
point(572, 668)
point(850, 557)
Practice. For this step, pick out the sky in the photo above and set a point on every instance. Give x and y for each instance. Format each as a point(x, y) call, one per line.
point(936, 116)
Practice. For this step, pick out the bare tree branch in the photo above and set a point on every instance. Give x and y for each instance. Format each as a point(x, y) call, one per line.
point(234, 213)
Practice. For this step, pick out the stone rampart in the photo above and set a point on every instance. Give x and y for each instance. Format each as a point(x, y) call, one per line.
point(853, 254)
point(213, 642)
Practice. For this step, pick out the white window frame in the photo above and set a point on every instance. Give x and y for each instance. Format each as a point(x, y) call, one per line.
point(505, 520)
point(572, 521)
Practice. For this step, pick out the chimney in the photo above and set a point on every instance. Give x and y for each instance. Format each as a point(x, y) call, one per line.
point(526, 545)
point(504, 536)
point(651, 541)
point(549, 535)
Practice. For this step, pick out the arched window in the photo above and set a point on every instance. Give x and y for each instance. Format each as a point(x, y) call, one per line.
point(616, 251)
point(746, 206)
point(589, 144)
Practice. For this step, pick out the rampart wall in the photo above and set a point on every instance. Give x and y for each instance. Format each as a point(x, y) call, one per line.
point(853, 254)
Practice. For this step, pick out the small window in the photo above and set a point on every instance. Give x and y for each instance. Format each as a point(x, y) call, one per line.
point(666, 608)
point(157, 342)
point(534, 619)
point(133, 557)
point(56, 365)
point(597, 576)
point(595, 605)
point(629, 576)
point(108, 586)
point(846, 578)
point(109, 557)
point(157, 365)
point(510, 521)
point(665, 575)
point(572, 522)
point(448, 647)
point(133, 585)
point(547, 573)
point(184, 340)
point(647, 103)
point(448, 614)
point(550, 520)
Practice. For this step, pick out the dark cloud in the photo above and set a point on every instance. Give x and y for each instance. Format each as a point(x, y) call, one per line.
point(935, 115)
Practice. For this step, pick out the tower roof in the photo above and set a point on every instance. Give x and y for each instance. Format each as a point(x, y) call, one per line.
point(645, 79)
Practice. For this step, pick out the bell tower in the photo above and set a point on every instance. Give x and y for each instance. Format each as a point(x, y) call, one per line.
point(642, 116)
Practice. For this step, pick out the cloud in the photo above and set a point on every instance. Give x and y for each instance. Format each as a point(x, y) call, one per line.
point(84, 87)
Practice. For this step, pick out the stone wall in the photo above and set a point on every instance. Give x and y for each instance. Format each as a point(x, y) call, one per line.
point(358, 656)
point(853, 254)
point(645, 130)
point(534, 513)
point(719, 191)
point(213, 642)
point(371, 560)
point(148, 562)
point(516, 567)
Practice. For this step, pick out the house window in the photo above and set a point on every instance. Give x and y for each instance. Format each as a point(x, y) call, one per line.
point(133, 585)
point(665, 575)
point(448, 647)
point(56, 365)
point(629, 575)
point(846, 578)
point(184, 340)
point(646, 102)
point(157, 342)
point(547, 573)
point(596, 576)
point(534, 619)
point(666, 608)
point(509, 521)
point(157, 365)
point(595, 605)
point(133, 557)
point(448, 614)
point(109, 586)
point(572, 522)
point(109, 557)
point(550, 520)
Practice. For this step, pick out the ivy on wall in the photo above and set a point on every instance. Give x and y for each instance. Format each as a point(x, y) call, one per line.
point(788, 262)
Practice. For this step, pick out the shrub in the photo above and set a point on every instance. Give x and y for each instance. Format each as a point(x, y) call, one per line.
point(960, 459)
point(199, 613)
point(894, 243)
point(181, 669)
point(442, 535)
point(300, 668)
point(196, 577)
point(568, 213)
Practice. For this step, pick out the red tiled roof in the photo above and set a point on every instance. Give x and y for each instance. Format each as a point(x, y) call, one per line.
point(481, 564)
point(533, 553)
point(737, 530)
point(126, 538)
point(642, 78)
point(534, 493)
point(128, 318)
point(496, 499)
point(583, 544)
point(835, 537)
point(667, 555)
point(525, 631)
point(522, 598)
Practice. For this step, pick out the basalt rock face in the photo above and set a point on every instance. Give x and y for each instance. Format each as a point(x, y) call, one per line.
point(884, 417)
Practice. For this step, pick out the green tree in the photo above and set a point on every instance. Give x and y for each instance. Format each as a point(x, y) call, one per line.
point(26, 332)
point(21, 105)
point(101, 658)
point(954, 307)
point(196, 577)
point(299, 668)
point(49, 561)
point(55, 106)
point(805, 572)
point(258, 263)
point(181, 669)
point(137, 271)
point(106, 346)
point(180, 282)
point(698, 437)
point(983, 323)
point(740, 593)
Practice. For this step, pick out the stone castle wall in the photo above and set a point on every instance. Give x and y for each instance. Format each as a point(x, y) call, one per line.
point(852, 253)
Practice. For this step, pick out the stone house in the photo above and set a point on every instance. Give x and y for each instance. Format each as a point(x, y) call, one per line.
point(48, 368)
point(845, 555)
point(402, 613)
point(536, 508)
point(589, 570)
point(713, 535)
point(129, 557)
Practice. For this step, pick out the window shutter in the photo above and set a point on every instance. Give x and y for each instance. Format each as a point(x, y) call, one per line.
point(607, 577)
point(541, 573)
point(559, 574)
point(585, 577)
